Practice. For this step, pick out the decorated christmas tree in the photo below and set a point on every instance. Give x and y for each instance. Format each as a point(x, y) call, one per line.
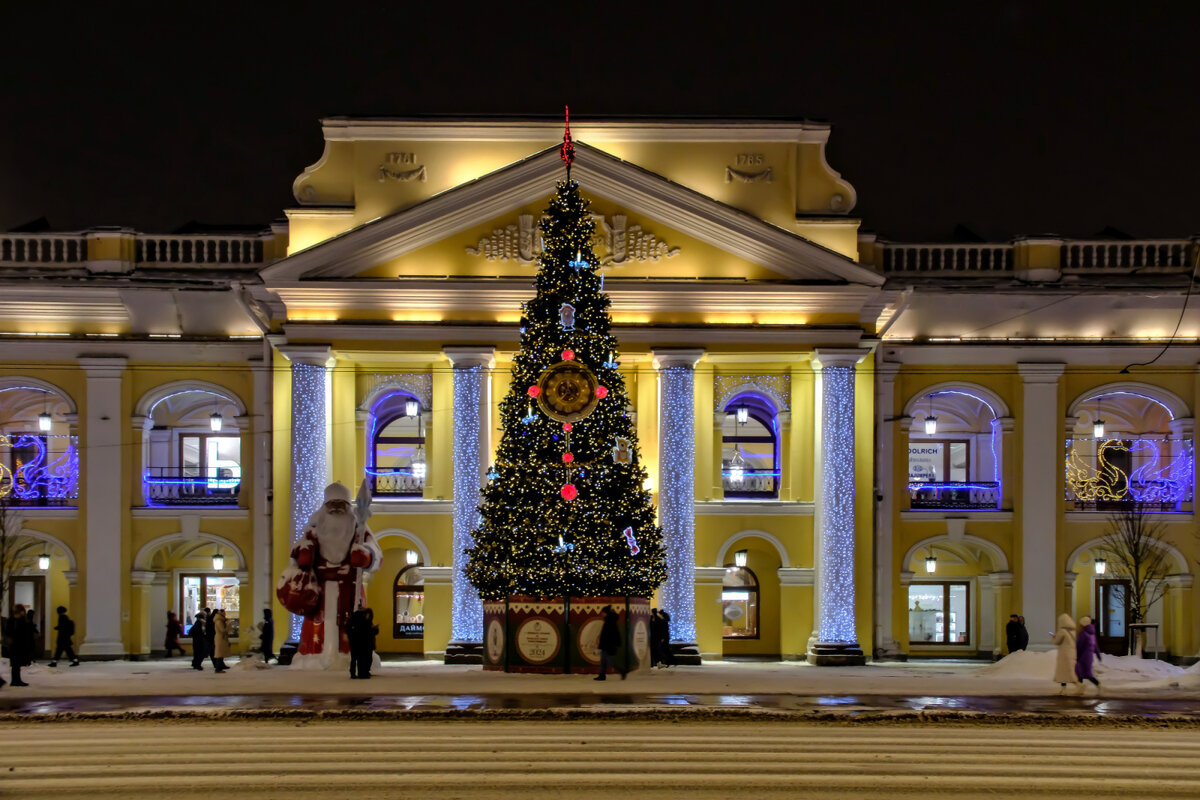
point(564, 511)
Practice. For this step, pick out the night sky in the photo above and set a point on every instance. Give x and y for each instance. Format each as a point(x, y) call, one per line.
point(1040, 118)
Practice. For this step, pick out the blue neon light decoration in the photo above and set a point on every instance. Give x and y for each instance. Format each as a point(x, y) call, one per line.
point(44, 475)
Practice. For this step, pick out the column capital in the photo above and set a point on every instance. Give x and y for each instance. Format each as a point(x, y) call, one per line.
point(1069, 578)
point(142, 577)
point(886, 371)
point(103, 366)
point(1048, 372)
point(1001, 580)
point(665, 357)
point(72, 576)
point(796, 576)
point(1180, 580)
point(837, 357)
point(708, 575)
point(138, 421)
point(468, 356)
point(314, 355)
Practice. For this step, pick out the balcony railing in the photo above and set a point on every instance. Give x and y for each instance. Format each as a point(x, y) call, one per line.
point(944, 259)
point(199, 249)
point(1108, 256)
point(397, 484)
point(42, 248)
point(175, 486)
point(1109, 474)
point(39, 469)
point(934, 495)
point(753, 483)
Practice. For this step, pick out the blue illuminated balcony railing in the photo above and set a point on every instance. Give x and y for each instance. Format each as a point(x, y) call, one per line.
point(935, 495)
point(175, 486)
point(753, 483)
point(397, 483)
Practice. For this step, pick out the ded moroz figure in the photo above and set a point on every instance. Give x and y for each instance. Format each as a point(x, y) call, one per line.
point(324, 583)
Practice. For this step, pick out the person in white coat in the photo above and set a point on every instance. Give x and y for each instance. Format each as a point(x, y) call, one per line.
point(1064, 666)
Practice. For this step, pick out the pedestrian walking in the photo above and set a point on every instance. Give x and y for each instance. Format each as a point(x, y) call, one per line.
point(210, 634)
point(610, 642)
point(267, 640)
point(199, 634)
point(1012, 633)
point(1064, 666)
point(221, 648)
point(361, 630)
point(19, 636)
point(1024, 633)
point(174, 631)
point(62, 639)
point(1087, 646)
point(660, 639)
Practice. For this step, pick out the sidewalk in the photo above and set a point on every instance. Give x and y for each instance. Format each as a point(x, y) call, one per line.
point(1024, 674)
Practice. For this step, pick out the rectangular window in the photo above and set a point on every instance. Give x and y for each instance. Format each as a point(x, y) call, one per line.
point(939, 462)
point(939, 613)
point(197, 592)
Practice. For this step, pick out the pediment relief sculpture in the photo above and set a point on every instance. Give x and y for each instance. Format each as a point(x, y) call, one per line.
point(615, 242)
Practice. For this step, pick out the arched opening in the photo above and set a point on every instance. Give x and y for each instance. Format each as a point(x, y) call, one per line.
point(192, 448)
point(185, 573)
point(1127, 447)
point(750, 608)
point(951, 600)
point(39, 456)
point(750, 452)
point(739, 604)
point(408, 605)
point(37, 566)
point(954, 450)
point(396, 446)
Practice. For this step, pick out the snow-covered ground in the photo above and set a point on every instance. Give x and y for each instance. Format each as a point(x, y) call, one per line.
point(1021, 674)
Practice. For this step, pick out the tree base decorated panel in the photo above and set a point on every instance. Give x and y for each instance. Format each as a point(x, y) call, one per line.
point(558, 635)
point(830, 654)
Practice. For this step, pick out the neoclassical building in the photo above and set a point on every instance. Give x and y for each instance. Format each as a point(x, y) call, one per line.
point(854, 444)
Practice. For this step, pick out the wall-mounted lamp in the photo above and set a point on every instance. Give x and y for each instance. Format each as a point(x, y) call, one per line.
point(411, 557)
point(739, 558)
point(44, 562)
point(218, 562)
point(411, 408)
point(1100, 565)
point(931, 563)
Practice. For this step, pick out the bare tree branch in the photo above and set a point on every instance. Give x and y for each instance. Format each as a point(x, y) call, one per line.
point(1137, 550)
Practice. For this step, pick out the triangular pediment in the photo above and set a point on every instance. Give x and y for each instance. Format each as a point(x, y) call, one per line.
point(650, 196)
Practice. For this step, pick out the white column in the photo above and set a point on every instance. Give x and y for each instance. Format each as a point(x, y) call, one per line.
point(677, 486)
point(102, 490)
point(310, 438)
point(1041, 489)
point(472, 446)
point(885, 434)
point(837, 636)
point(260, 506)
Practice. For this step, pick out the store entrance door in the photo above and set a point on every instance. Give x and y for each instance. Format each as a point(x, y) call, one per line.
point(1112, 616)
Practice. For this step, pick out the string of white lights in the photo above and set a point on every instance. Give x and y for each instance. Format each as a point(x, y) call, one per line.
point(309, 459)
point(836, 622)
point(466, 613)
point(676, 499)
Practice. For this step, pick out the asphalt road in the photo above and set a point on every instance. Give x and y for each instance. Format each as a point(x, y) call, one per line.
point(504, 759)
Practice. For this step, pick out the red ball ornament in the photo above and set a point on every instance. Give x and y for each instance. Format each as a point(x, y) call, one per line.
point(534, 391)
point(601, 392)
point(569, 492)
point(568, 458)
point(568, 427)
point(568, 355)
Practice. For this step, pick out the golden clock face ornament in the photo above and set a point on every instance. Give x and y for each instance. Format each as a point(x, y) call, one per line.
point(568, 391)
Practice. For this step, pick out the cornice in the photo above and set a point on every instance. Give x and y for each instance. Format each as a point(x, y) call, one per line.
point(344, 129)
point(753, 508)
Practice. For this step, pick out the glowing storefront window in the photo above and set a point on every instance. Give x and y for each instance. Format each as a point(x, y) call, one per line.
point(739, 604)
point(197, 592)
point(409, 604)
point(938, 613)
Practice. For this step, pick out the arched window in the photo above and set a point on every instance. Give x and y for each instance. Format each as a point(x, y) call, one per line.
point(749, 449)
point(739, 604)
point(39, 459)
point(408, 604)
point(193, 450)
point(396, 456)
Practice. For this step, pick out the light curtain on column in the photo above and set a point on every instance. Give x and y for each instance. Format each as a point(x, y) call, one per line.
point(837, 503)
point(309, 414)
point(467, 619)
point(676, 496)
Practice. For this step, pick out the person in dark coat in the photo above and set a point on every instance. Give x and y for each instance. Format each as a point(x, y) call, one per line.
point(62, 640)
point(1086, 646)
point(20, 642)
point(174, 631)
point(1012, 633)
point(199, 634)
point(361, 630)
point(1024, 633)
point(210, 635)
point(664, 654)
point(610, 642)
point(267, 641)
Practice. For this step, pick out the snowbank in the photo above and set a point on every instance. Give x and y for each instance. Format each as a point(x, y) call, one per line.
point(1039, 665)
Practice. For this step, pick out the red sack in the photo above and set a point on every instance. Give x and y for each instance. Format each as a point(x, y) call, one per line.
point(299, 590)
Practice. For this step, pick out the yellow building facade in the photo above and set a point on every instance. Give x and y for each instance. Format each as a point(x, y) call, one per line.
point(203, 388)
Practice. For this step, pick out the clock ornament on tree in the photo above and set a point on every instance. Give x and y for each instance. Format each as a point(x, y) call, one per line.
point(567, 391)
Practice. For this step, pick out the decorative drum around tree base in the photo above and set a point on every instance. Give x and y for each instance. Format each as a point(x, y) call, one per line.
point(557, 635)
